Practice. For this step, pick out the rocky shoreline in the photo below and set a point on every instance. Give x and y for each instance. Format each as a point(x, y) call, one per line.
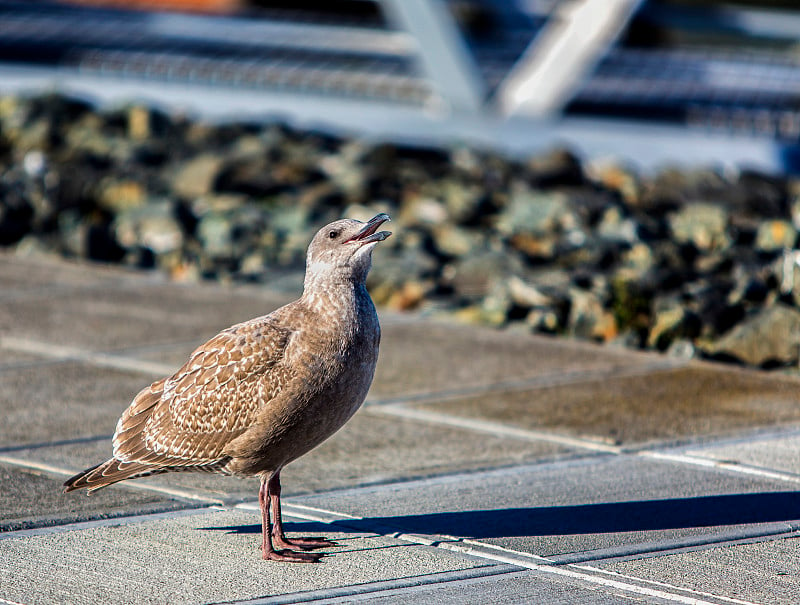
point(693, 263)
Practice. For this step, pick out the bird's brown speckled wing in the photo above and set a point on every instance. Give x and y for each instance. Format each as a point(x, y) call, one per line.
point(187, 419)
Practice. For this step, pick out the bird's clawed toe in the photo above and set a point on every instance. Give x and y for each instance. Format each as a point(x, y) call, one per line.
point(306, 543)
point(293, 556)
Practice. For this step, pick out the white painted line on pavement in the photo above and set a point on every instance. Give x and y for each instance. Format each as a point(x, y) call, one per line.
point(502, 430)
point(662, 584)
point(104, 360)
point(492, 428)
point(525, 560)
point(736, 467)
point(160, 489)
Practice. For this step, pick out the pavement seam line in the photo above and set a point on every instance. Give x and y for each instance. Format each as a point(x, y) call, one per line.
point(506, 431)
point(370, 590)
point(116, 521)
point(47, 444)
point(562, 571)
point(736, 467)
point(662, 584)
point(691, 543)
point(167, 491)
point(502, 555)
point(492, 428)
point(532, 383)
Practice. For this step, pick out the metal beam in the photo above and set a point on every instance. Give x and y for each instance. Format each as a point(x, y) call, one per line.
point(572, 41)
point(443, 55)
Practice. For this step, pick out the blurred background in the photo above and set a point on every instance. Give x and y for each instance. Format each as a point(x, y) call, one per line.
point(512, 74)
point(616, 170)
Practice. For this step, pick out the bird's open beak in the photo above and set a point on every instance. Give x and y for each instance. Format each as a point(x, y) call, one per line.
point(369, 232)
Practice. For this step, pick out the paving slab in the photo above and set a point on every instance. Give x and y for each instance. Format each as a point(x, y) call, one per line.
point(510, 587)
point(764, 572)
point(676, 403)
point(208, 557)
point(577, 506)
point(775, 453)
point(132, 314)
point(419, 358)
point(62, 401)
point(454, 360)
point(22, 275)
point(626, 511)
point(368, 449)
point(34, 499)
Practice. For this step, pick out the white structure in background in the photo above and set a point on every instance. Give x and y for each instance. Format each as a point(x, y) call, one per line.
point(550, 70)
point(410, 76)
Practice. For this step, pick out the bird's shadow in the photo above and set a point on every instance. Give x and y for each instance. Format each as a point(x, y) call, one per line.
point(606, 517)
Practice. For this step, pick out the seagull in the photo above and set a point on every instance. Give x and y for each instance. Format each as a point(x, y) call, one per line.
point(262, 393)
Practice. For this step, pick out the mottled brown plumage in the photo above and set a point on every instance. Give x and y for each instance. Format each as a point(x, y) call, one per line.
point(264, 392)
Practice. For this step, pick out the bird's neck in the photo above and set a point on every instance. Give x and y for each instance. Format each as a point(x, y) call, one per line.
point(340, 299)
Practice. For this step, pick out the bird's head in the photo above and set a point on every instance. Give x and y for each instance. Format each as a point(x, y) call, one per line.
point(342, 250)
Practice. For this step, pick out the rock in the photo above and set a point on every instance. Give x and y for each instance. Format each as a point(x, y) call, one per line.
point(535, 213)
point(631, 301)
point(762, 195)
point(671, 323)
point(146, 123)
point(616, 177)
point(16, 213)
point(682, 349)
point(614, 226)
point(388, 279)
point(462, 201)
point(454, 241)
point(344, 170)
point(794, 210)
point(768, 338)
point(407, 297)
point(197, 176)
point(497, 304)
point(472, 276)
point(258, 177)
point(545, 320)
point(121, 195)
point(556, 168)
point(215, 232)
point(419, 210)
point(589, 319)
point(701, 224)
point(537, 223)
point(152, 226)
point(666, 327)
point(788, 273)
point(775, 235)
point(527, 295)
point(639, 258)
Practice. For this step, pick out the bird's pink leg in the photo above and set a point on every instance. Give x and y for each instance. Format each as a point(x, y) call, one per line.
point(278, 537)
point(267, 549)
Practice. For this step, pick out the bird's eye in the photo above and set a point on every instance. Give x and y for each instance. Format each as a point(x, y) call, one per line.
point(333, 234)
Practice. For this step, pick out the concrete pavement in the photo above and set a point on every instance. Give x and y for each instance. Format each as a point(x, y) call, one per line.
point(485, 467)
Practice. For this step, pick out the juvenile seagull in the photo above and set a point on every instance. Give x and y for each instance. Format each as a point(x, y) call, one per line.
point(264, 392)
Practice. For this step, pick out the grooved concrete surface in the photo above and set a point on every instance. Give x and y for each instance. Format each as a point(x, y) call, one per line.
point(485, 467)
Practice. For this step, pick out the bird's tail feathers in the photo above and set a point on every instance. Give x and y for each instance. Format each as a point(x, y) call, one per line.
point(106, 473)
